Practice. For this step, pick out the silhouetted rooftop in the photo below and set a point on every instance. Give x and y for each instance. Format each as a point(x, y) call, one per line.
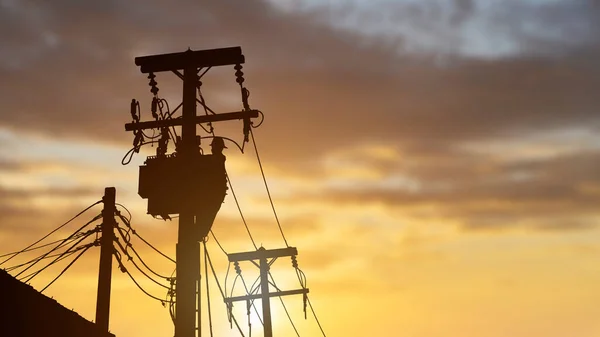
point(26, 312)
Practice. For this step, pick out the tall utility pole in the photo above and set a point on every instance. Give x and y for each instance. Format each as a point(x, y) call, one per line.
point(106, 254)
point(263, 255)
point(178, 184)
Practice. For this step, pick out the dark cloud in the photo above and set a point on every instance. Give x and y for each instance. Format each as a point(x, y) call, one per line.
point(67, 71)
point(552, 193)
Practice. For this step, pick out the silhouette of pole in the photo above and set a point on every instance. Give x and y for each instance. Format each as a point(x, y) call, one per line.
point(266, 302)
point(188, 249)
point(106, 254)
point(263, 255)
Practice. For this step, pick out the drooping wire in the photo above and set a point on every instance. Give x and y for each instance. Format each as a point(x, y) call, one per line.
point(315, 315)
point(11, 268)
point(207, 289)
point(128, 244)
point(126, 222)
point(67, 267)
point(30, 249)
point(52, 232)
point(284, 307)
point(218, 243)
point(63, 242)
point(123, 269)
point(240, 210)
point(267, 188)
point(129, 155)
point(30, 277)
point(130, 259)
point(222, 293)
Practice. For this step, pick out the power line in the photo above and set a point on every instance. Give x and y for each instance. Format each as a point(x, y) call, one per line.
point(62, 243)
point(141, 238)
point(262, 172)
point(123, 269)
point(128, 244)
point(30, 277)
point(32, 249)
point(315, 315)
point(67, 267)
point(52, 232)
point(222, 293)
point(284, 307)
point(240, 210)
point(39, 257)
point(129, 258)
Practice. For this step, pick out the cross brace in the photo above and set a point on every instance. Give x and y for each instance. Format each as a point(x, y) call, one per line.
point(190, 59)
point(198, 119)
point(262, 253)
point(273, 294)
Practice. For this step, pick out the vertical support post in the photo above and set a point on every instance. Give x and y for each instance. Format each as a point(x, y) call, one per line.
point(266, 302)
point(106, 254)
point(188, 249)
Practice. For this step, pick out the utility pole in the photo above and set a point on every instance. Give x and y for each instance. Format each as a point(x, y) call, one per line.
point(263, 255)
point(187, 183)
point(106, 254)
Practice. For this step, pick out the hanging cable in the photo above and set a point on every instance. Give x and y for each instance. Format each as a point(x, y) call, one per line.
point(64, 241)
point(129, 245)
point(53, 231)
point(141, 238)
point(130, 259)
point(67, 267)
point(315, 315)
point(240, 210)
point(124, 270)
point(284, 307)
point(262, 172)
point(31, 249)
point(223, 294)
point(30, 277)
point(11, 268)
point(207, 289)
point(217, 241)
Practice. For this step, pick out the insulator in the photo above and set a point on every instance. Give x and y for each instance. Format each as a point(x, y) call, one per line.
point(133, 110)
point(239, 74)
point(294, 262)
point(152, 83)
point(153, 107)
point(236, 265)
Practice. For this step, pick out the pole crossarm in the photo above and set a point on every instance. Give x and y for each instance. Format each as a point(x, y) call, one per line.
point(190, 59)
point(198, 119)
point(262, 253)
point(273, 294)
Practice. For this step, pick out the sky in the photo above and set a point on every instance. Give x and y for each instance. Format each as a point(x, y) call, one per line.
point(436, 163)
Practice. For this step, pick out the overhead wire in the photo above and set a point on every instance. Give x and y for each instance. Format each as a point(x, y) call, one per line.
point(11, 268)
point(124, 269)
point(66, 268)
point(32, 249)
point(52, 232)
point(240, 210)
point(130, 259)
point(126, 222)
point(262, 172)
point(207, 289)
point(30, 276)
point(284, 306)
point(128, 244)
point(64, 241)
point(222, 293)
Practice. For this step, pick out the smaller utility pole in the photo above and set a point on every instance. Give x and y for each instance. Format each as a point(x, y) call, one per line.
point(106, 254)
point(263, 255)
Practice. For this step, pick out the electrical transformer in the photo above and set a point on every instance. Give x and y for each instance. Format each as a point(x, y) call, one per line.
point(195, 185)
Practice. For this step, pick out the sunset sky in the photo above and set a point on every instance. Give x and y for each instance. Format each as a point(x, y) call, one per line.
point(436, 162)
